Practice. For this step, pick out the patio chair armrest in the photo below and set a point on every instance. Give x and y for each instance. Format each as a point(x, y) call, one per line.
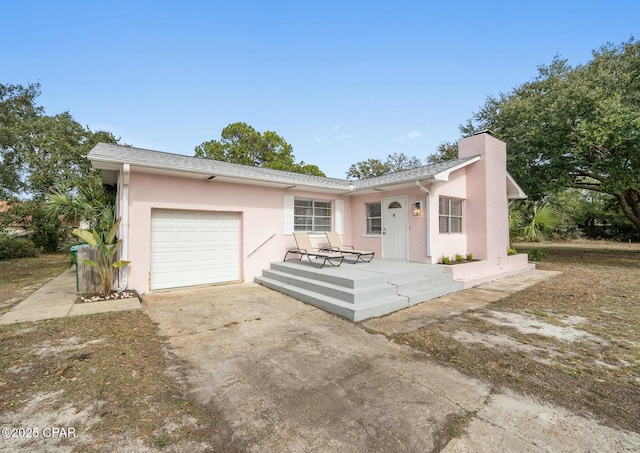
point(297, 250)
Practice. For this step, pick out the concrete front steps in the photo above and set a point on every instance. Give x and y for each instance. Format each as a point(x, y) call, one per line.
point(360, 291)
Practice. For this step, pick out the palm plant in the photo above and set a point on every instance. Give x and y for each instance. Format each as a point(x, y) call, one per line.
point(90, 203)
point(107, 247)
point(516, 219)
point(542, 217)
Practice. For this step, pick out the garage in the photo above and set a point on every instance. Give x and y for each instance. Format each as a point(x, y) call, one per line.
point(194, 248)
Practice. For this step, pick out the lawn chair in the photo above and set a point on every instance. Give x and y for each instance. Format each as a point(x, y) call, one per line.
point(335, 244)
point(306, 249)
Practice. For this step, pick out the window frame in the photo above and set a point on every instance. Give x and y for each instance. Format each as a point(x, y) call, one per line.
point(369, 218)
point(314, 216)
point(449, 216)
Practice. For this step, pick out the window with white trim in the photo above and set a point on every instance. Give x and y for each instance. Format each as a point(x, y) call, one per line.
point(374, 218)
point(313, 216)
point(450, 210)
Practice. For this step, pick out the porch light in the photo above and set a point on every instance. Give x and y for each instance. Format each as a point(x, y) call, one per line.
point(417, 209)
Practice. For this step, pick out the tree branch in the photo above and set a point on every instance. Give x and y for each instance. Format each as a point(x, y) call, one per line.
point(596, 187)
point(588, 174)
point(630, 207)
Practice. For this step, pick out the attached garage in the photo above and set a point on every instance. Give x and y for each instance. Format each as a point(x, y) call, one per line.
point(194, 248)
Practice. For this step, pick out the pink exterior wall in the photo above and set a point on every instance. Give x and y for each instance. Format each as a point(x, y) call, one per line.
point(481, 185)
point(487, 214)
point(448, 244)
point(487, 204)
point(261, 211)
point(416, 225)
point(425, 243)
point(478, 272)
point(358, 227)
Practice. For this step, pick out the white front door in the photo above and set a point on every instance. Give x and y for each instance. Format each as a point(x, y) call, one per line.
point(394, 228)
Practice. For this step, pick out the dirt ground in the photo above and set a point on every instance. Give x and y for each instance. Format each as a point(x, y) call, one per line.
point(110, 382)
point(104, 382)
point(572, 341)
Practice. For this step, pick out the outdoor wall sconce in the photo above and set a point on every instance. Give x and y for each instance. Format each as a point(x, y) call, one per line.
point(417, 208)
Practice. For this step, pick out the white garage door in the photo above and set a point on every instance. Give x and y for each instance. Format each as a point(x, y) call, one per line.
point(194, 248)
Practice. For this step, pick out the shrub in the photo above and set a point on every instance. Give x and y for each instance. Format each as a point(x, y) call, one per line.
point(107, 246)
point(535, 254)
point(445, 260)
point(469, 256)
point(543, 218)
point(459, 257)
point(511, 251)
point(11, 248)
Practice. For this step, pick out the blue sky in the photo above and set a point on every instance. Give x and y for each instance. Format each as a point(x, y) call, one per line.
point(341, 81)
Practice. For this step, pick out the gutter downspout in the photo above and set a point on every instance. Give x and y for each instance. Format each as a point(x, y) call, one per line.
point(126, 172)
point(428, 213)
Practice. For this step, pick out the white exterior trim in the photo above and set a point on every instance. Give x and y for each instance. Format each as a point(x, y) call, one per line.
point(339, 216)
point(288, 221)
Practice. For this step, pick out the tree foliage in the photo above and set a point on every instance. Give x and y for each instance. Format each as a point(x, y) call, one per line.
point(242, 144)
point(445, 151)
point(91, 203)
point(400, 161)
point(371, 168)
point(539, 217)
point(574, 127)
point(18, 114)
point(39, 154)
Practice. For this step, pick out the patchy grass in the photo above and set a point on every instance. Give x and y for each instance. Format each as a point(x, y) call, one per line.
point(21, 277)
point(573, 340)
point(106, 376)
point(109, 378)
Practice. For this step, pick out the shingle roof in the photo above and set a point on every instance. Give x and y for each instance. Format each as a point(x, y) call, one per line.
point(415, 174)
point(104, 153)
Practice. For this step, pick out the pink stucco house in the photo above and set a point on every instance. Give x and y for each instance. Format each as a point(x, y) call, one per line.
point(190, 221)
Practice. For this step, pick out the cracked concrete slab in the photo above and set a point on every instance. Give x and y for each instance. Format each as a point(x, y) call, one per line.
point(511, 422)
point(413, 318)
point(289, 377)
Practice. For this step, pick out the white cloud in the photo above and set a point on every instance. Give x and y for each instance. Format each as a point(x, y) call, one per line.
point(333, 136)
point(413, 135)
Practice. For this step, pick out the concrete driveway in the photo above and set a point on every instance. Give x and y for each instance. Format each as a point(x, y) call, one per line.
point(289, 377)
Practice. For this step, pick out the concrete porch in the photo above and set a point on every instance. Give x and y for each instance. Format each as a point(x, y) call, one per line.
point(363, 290)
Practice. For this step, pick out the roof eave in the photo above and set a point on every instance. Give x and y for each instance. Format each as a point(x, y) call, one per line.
point(106, 163)
point(514, 191)
point(102, 157)
point(444, 175)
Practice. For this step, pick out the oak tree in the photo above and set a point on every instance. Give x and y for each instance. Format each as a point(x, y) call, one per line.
point(242, 144)
point(371, 168)
point(574, 127)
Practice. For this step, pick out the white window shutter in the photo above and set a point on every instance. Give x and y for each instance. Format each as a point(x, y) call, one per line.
point(288, 214)
point(339, 216)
